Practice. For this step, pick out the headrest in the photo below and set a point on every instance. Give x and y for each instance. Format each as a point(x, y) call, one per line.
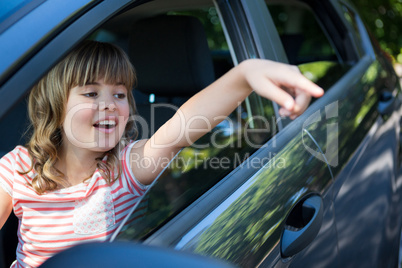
point(171, 56)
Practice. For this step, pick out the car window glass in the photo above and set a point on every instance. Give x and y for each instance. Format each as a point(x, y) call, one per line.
point(199, 167)
point(306, 42)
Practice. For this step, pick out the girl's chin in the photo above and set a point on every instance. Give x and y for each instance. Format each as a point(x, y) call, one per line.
point(104, 148)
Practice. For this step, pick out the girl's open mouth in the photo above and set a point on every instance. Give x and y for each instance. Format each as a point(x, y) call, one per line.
point(106, 125)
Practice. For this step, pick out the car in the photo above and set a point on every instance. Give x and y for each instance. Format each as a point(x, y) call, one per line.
point(323, 190)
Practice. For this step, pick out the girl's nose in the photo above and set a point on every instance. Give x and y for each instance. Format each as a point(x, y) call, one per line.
point(111, 107)
point(107, 106)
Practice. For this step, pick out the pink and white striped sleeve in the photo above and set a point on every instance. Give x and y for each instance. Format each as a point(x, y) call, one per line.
point(135, 186)
point(7, 164)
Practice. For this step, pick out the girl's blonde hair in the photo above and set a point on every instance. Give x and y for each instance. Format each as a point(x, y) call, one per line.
point(87, 63)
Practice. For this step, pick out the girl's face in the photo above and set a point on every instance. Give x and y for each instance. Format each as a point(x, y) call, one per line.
point(96, 116)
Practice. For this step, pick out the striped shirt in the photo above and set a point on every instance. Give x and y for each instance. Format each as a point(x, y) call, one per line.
point(52, 222)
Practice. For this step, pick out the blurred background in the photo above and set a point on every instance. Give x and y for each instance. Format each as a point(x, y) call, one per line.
point(384, 19)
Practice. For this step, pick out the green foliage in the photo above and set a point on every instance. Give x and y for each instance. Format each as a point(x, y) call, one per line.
point(384, 18)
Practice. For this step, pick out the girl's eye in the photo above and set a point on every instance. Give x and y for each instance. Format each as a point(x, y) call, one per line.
point(120, 95)
point(91, 94)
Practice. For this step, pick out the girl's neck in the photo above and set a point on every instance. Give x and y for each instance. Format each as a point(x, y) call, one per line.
point(77, 165)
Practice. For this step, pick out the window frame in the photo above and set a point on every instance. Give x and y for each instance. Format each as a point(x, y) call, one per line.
point(361, 39)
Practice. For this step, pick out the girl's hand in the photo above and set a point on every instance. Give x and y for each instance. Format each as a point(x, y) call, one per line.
point(281, 83)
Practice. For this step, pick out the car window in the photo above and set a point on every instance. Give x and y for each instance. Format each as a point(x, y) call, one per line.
point(199, 167)
point(307, 43)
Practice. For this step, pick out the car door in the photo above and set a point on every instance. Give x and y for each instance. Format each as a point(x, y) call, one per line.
point(367, 178)
point(254, 215)
point(360, 140)
point(272, 206)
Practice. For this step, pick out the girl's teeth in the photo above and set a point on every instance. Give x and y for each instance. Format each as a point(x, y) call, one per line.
point(106, 124)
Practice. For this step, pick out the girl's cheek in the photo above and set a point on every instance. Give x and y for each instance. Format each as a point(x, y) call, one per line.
point(79, 114)
point(85, 116)
point(78, 124)
point(124, 118)
point(125, 111)
point(122, 124)
point(124, 114)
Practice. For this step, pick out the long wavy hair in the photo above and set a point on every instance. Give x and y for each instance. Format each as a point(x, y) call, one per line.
point(87, 63)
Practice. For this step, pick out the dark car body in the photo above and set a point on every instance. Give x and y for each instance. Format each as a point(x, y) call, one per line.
point(323, 190)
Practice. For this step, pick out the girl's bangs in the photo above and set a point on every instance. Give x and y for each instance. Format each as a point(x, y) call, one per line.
point(102, 61)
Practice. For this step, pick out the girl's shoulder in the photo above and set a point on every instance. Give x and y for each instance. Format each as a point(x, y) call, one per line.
point(19, 156)
point(127, 147)
point(20, 148)
point(15, 166)
point(17, 151)
point(20, 152)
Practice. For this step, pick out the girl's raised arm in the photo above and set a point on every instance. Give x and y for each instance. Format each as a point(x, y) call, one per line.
point(278, 82)
point(5, 206)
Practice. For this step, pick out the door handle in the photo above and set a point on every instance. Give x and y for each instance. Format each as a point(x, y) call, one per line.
point(302, 225)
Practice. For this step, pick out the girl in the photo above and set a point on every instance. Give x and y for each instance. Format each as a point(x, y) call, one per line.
point(72, 182)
